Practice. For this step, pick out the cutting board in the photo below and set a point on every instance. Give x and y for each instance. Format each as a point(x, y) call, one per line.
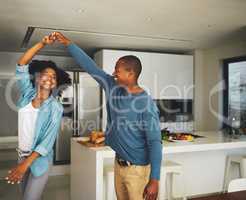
point(90, 144)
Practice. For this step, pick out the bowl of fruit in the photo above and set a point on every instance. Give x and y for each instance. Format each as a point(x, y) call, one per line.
point(178, 137)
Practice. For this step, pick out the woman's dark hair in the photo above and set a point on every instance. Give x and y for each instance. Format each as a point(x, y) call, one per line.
point(62, 77)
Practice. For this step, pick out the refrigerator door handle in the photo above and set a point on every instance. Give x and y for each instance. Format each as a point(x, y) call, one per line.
point(79, 106)
point(75, 106)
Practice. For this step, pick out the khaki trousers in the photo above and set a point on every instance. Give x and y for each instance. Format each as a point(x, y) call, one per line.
point(130, 181)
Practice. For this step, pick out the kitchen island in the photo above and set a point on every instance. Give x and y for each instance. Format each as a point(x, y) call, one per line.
point(203, 161)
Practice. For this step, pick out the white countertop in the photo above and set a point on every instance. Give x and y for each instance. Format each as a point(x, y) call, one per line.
point(213, 140)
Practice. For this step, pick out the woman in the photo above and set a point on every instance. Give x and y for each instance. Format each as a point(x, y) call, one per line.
point(39, 118)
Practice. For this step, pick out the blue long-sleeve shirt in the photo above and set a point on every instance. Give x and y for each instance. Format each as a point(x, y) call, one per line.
point(47, 124)
point(133, 130)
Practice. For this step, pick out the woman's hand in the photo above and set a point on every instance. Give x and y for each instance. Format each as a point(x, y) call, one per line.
point(50, 39)
point(16, 174)
point(61, 38)
point(30, 53)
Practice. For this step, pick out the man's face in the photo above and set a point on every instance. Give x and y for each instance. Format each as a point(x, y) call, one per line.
point(121, 74)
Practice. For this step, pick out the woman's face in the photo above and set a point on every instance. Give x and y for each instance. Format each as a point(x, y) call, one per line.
point(47, 79)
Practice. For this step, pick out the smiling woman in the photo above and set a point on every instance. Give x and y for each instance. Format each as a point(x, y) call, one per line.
point(39, 118)
point(47, 75)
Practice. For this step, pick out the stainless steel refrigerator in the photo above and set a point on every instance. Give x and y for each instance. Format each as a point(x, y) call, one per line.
point(82, 111)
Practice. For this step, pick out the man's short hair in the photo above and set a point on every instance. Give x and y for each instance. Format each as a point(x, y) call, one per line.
point(132, 63)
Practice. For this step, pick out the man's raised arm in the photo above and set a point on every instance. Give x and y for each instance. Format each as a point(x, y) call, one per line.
point(84, 61)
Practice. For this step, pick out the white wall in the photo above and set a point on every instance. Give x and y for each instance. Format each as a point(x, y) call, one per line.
point(208, 73)
point(199, 82)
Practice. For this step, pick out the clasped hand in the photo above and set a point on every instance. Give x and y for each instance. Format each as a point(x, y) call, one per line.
point(56, 36)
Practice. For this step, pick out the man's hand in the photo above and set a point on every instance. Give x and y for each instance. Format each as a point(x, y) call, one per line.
point(16, 174)
point(151, 190)
point(50, 39)
point(61, 38)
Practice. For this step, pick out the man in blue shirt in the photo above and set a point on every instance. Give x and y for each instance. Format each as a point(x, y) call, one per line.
point(133, 130)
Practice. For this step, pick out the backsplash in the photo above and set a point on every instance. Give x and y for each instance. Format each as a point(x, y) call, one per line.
point(178, 126)
point(175, 110)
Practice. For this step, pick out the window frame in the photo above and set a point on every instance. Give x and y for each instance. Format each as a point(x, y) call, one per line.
point(226, 63)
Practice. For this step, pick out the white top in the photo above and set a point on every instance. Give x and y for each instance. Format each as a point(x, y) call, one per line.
point(26, 124)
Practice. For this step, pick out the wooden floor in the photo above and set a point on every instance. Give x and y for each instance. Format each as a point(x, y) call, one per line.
point(228, 196)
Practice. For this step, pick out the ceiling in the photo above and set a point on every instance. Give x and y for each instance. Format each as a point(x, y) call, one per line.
point(158, 25)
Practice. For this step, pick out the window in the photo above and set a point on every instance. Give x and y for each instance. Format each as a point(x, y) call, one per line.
point(234, 98)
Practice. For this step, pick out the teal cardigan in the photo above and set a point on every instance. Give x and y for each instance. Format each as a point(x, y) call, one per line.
point(47, 124)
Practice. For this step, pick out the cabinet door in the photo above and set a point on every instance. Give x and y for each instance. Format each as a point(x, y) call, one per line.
point(172, 76)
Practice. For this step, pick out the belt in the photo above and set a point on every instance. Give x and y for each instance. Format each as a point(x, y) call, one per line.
point(123, 163)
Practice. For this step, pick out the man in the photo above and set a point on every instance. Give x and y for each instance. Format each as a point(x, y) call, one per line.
point(133, 130)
